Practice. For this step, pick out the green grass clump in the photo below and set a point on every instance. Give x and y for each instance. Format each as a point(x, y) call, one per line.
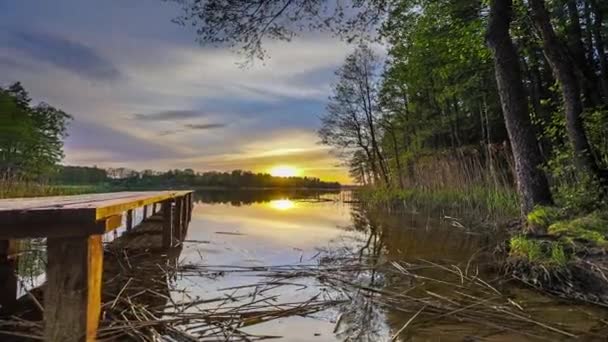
point(558, 254)
point(592, 227)
point(543, 216)
point(522, 246)
point(537, 251)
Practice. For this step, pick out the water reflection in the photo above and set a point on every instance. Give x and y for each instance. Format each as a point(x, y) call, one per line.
point(282, 204)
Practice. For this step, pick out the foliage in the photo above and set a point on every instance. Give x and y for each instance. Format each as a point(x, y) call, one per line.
point(523, 246)
point(79, 175)
point(245, 24)
point(543, 216)
point(122, 178)
point(558, 255)
point(14, 189)
point(538, 251)
point(592, 227)
point(350, 123)
point(31, 137)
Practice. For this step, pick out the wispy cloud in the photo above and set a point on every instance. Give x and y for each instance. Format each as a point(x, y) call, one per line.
point(169, 115)
point(203, 127)
point(194, 127)
point(64, 53)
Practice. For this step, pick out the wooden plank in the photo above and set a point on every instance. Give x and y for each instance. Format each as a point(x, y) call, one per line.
point(40, 217)
point(107, 204)
point(73, 294)
point(108, 208)
point(8, 274)
point(167, 224)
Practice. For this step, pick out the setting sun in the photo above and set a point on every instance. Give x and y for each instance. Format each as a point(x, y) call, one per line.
point(284, 171)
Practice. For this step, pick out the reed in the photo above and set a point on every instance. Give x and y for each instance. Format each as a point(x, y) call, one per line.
point(461, 183)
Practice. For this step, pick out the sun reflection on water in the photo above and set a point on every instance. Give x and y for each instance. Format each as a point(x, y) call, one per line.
point(282, 204)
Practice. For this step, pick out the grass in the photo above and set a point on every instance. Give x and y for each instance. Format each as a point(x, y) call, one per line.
point(538, 251)
point(522, 246)
point(592, 227)
point(14, 189)
point(543, 216)
point(479, 201)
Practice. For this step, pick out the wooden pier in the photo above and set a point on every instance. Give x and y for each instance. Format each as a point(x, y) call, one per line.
point(73, 227)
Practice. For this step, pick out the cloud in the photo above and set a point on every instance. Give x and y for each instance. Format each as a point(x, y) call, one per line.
point(170, 115)
point(194, 127)
point(205, 126)
point(90, 142)
point(64, 53)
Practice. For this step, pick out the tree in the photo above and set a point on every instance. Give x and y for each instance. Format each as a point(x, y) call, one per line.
point(531, 181)
point(351, 119)
point(31, 137)
point(564, 68)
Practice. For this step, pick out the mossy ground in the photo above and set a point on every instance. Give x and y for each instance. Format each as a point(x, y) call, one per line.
point(569, 260)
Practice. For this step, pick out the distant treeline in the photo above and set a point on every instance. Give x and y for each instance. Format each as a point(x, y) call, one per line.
point(78, 175)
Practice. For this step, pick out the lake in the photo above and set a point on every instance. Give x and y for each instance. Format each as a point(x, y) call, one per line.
point(319, 266)
point(244, 230)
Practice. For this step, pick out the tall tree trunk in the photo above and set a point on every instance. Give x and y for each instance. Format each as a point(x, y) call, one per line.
point(564, 71)
point(600, 48)
point(575, 44)
point(531, 181)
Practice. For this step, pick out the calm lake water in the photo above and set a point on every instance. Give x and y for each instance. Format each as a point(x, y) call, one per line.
point(354, 262)
point(246, 229)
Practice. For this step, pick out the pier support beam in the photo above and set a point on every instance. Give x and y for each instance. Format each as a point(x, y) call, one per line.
point(178, 220)
point(167, 212)
point(129, 220)
point(8, 275)
point(73, 294)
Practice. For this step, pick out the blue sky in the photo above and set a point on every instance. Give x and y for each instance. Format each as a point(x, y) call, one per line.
point(144, 94)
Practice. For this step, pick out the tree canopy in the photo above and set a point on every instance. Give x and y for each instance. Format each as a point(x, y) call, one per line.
point(31, 136)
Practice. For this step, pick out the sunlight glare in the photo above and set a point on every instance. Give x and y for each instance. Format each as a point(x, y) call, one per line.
point(284, 171)
point(282, 204)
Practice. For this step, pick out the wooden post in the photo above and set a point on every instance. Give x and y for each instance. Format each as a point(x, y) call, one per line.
point(178, 229)
point(167, 224)
point(153, 208)
point(73, 294)
point(129, 220)
point(145, 211)
point(184, 216)
point(8, 274)
point(190, 206)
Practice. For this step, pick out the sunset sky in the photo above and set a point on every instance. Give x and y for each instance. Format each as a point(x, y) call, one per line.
point(144, 94)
